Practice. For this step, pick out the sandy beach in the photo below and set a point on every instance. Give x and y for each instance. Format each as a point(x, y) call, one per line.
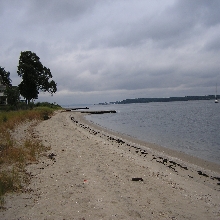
point(92, 173)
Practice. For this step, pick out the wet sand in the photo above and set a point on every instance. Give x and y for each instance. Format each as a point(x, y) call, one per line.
point(92, 173)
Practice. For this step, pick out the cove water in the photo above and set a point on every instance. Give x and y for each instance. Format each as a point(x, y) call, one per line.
point(192, 127)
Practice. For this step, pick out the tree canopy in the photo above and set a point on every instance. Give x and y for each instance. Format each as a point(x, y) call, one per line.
point(35, 76)
point(5, 77)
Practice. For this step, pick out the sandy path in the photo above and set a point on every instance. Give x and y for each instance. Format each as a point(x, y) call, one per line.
point(91, 178)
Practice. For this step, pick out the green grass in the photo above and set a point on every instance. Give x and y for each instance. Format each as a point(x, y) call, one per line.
point(14, 156)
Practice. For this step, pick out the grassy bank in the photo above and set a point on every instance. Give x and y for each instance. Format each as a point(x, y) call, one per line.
point(15, 155)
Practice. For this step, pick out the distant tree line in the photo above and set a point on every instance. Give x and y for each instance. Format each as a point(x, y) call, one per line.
point(170, 99)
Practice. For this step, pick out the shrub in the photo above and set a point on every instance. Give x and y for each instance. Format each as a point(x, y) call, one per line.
point(13, 157)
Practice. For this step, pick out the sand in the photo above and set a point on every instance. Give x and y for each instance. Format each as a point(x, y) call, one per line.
point(92, 173)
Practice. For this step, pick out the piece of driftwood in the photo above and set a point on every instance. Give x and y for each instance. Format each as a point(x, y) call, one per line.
point(137, 179)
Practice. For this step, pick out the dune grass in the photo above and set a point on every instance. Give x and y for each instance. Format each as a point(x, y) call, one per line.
point(13, 155)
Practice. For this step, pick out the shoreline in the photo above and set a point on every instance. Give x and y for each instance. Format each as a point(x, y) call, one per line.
point(173, 131)
point(187, 166)
point(160, 149)
point(91, 173)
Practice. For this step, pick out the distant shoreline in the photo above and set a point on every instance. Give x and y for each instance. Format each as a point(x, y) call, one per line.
point(169, 99)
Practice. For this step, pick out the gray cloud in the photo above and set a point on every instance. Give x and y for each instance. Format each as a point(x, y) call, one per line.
point(111, 50)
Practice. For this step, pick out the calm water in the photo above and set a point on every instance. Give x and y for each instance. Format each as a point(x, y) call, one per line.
point(192, 127)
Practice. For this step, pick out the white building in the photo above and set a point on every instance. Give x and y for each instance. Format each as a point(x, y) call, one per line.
point(3, 98)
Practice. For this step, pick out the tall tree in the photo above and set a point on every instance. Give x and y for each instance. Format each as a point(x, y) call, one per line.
point(35, 76)
point(5, 77)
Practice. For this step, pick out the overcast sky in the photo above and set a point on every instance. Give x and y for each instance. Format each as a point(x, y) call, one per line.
point(109, 50)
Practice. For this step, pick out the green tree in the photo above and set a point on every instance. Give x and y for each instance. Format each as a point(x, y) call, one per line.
point(5, 77)
point(35, 76)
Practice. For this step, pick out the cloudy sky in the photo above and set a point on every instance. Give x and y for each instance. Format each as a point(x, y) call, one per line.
point(109, 50)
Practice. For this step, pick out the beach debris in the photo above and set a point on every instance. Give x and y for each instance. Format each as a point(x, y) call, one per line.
point(52, 156)
point(217, 178)
point(170, 164)
point(202, 174)
point(183, 167)
point(143, 152)
point(137, 179)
